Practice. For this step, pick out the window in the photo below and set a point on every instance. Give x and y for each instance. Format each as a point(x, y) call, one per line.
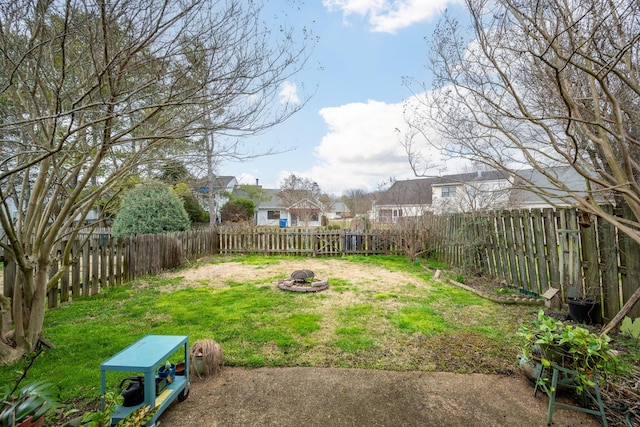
point(448, 191)
point(273, 214)
point(314, 216)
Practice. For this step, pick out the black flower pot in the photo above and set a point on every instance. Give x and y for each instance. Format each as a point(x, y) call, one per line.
point(584, 310)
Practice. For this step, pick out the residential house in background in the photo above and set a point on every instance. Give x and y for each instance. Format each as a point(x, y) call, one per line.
point(222, 186)
point(468, 192)
point(445, 194)
point(546, 194)
point(272, 210)
point(410, 197)
point(339, 210)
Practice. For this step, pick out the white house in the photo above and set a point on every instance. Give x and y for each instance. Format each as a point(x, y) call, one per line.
point(404, 198)
point(468, 192)
point(573, 182)
point(450, 193)
point(222, 186)
point(272, 210)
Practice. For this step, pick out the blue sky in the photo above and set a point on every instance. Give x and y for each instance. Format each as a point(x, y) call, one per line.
point(345, 136)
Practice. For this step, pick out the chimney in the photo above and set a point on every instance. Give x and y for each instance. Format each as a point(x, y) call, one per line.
point(257, 182)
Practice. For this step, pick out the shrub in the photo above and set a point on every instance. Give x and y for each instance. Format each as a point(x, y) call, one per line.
point(237, 210)
point(150, 208)
point(194, 210)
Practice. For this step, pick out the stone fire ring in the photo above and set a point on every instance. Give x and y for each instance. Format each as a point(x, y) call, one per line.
point(315, 285)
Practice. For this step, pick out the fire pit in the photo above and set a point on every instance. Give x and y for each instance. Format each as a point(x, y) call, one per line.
point(303, 281)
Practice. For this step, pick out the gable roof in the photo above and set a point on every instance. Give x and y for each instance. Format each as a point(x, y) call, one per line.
point(463, 178)
point(408, 192)
point(536, 179)
point(420, 191)
point(219, 183)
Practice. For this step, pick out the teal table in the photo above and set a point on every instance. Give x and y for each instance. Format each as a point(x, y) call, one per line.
point(145, 356)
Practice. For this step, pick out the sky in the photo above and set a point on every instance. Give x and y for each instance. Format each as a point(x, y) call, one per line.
point(345, 137)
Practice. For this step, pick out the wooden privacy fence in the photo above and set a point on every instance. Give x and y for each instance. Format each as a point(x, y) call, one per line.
point(541, 248)
point(534, 249)
point(101, 260)
point(310, 242)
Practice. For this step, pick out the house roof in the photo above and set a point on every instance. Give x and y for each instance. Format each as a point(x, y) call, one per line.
point(340, 207)
point(408, 192)
point(420, 191)
point(478, 176)
point(569, 177)
point(219, 183)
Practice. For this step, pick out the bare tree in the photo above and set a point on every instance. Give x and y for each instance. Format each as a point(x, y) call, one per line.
point(90, 91)
point(302, 197)
point(542, 84)
point(358, 200)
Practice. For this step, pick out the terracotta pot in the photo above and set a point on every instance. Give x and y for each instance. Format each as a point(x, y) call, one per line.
point(27, 422)
point(180, 369)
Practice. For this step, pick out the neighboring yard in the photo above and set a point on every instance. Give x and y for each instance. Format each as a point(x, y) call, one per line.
point(378, 313)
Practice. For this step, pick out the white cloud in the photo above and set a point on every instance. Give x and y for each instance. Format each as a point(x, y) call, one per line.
point(389, 16)
point(361, 148)
point(289, 93)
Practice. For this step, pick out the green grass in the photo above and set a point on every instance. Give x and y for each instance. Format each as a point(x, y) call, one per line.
point(418, 325)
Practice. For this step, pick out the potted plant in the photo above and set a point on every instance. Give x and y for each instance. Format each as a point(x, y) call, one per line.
point(584, 307)
point(205, 357)
point(138, 418)
point(549, 341)
point(27, 407)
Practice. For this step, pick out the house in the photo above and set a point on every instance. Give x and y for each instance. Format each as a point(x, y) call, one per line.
point(339, 210)
point(468, 192)
point(273, 210)
point(547, 194)
point(221, 186)
point(445, 194)
point(404, 198)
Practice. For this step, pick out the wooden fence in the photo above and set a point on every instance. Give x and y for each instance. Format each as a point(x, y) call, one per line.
point(534, 249)
point(310, 242)
point(541, 248)
point(101, 260)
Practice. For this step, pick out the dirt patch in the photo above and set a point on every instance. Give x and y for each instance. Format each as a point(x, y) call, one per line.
point(364, 276)
point(313, 397)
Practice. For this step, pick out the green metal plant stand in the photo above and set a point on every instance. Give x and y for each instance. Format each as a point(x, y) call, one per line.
point(551, 391)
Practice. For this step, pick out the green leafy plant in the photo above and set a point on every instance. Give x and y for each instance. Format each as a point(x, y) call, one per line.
point(631, 328)
point(150, 208)
point(102, 418)
point(572, 347)
point(33, 400)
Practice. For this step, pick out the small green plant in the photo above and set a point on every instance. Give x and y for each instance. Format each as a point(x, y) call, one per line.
point(573, 347)
point(457, 278)
point(631, 328)
point(33, 400)
point(138, 418)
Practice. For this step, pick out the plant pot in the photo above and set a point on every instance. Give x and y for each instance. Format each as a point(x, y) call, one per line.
point(27, 422)
point(198, 365)
point(180, 369)
point(584, 310)
point(169, 374)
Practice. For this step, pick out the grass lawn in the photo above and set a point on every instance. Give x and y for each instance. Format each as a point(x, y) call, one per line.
point(410, 323)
